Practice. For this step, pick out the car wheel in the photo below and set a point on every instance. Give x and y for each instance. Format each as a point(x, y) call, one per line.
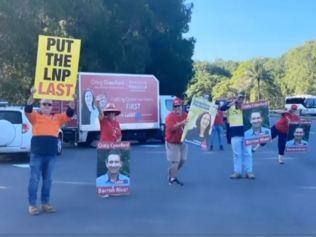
point(59, 145)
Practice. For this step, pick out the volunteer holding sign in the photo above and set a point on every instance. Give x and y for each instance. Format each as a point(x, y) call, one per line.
point(45, 129)
point(241, 153)
point(110, 130)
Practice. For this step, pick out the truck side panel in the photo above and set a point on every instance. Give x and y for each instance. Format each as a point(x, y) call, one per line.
point(137, 96)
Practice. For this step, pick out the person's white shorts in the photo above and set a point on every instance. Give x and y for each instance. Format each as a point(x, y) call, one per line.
point(176, 152)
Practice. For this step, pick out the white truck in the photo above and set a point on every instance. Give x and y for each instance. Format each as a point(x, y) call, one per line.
point(143, 111)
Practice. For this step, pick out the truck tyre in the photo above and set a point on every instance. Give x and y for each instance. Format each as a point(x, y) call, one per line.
point(142, 138)
point(90, 138)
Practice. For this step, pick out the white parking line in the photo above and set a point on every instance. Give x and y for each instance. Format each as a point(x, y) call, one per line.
point(309, 187)
point(24, 166)
point(275, 158)
point(73, 183)
point(152, 146)
point(3, 187)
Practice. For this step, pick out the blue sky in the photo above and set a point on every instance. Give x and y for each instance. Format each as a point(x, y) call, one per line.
point(244, 29)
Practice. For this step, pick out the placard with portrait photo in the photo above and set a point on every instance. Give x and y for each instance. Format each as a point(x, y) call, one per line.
point(113, 170)
point(200, 122)
point(298, 136)
point(256, 122)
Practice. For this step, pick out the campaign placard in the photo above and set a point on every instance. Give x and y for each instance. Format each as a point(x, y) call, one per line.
point(298, 136)
point(56, 68)
point(200, 122)
point(256, 122)
point(113, 169)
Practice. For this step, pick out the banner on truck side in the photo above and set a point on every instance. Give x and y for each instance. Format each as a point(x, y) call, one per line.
point(136, 96)
point(298, 136)
point(200, 122)
point(113, 170)
point(256, 122)
point(56, 68)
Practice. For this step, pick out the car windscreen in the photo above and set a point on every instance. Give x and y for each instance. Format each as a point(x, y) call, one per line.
point(295, 101)
point(15, 117)
point(169, 104)
point(310, 103)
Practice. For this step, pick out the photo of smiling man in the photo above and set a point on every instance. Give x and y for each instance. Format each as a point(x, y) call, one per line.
point(113, 169)
point(256, 121)
point(297, 139)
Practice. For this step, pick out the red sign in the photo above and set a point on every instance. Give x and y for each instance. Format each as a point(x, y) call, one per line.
point(136, 96)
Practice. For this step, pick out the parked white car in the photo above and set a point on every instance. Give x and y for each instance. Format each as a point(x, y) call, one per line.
point(306, 104)
point(16, 131)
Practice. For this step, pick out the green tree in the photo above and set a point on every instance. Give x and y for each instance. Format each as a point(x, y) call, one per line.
point(139, 36)
point(206, 76)
point(300, 70)
point(257, 74)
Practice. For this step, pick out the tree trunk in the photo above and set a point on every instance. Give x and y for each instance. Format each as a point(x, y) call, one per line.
point(258, 81)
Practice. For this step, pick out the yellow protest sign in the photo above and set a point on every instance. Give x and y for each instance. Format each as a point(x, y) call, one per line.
point(56, 67)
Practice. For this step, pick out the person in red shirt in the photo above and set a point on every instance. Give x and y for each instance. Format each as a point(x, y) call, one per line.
point(175, 149)
point(110, 130)
point(281, 128)
point(217, 130)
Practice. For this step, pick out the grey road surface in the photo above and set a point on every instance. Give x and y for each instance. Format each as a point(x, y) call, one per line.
point(280, 202)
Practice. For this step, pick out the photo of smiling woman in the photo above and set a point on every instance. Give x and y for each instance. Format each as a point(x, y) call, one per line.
point(198, 135)
point(89, 111)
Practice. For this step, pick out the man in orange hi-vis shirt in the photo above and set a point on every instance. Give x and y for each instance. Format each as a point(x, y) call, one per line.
point(45, 129)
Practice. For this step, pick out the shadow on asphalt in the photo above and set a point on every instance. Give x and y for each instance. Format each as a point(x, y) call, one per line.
point(14, 158)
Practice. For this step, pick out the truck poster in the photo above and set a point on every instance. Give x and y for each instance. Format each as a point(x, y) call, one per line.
point(113, 170)
point(136, 96)
point(56, 68)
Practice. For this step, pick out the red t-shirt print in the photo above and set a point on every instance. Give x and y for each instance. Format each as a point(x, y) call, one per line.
point(110, 130)
point(172, 119)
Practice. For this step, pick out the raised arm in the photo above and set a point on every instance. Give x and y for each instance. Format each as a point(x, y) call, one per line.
point(71, 107)
point(28, 109)
point(97, 101)
point(227, 105)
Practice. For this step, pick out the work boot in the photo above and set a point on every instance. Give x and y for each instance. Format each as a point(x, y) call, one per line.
point(281, 160)
point(48, 208)
point(235, 176)
point(221, 147)
point(33, 210)
point(175, 181)
point(250, 176)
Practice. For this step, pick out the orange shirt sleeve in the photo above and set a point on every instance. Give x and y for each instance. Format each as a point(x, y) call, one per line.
point(31, 116)
point(62, 118)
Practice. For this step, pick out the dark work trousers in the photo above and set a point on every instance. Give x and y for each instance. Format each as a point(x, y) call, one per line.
point(281, 139)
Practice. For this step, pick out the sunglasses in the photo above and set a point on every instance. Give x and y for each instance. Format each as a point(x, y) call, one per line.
point(176, 106)
point(46, 104)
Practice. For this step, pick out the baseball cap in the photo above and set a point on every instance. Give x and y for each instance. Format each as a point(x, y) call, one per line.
point(177, 101)
point(293, 107)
